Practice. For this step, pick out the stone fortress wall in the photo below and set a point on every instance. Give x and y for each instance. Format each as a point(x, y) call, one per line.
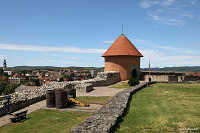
point(159, 76)
point(107, 118)
point(27, 97)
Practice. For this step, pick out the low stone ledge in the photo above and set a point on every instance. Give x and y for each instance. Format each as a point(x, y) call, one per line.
point(179, 82)
point(106, 119)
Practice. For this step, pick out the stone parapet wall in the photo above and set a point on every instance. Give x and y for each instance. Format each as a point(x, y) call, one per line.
point(168, 76)
point(107, 118)
point(179, 82)
point(27, 97)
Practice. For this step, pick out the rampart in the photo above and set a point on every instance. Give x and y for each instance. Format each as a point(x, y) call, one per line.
point(107, 118)
point(27, 97)
point(162, 76)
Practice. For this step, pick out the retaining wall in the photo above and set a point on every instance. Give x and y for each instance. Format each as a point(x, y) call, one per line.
point(27, 97)
point(107, 118)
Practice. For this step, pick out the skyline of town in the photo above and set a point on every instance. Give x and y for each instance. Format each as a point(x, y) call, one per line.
point(77, 33)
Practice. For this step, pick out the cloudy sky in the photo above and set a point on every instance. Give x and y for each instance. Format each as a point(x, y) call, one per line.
point(77, 32)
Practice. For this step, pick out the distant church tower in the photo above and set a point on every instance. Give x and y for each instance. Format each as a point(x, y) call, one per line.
point(4, 65)
point(123, 56)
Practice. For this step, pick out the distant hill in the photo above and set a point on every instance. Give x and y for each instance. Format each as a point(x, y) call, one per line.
point(20, 68)
point(175, 69)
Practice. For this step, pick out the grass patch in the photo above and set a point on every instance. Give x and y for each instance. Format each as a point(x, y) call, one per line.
point(123, 85)
point(47, 121)
point(95, 99)
point(164, 108)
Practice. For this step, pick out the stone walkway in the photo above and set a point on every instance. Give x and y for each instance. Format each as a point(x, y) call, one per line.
point(98, 91)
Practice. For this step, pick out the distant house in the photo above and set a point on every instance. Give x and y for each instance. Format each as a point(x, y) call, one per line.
point(67, 70)
point(76, 70)
point(3, 77)
point(8, 72)
point(17, 75)
point(16, 80)
point(84, 74)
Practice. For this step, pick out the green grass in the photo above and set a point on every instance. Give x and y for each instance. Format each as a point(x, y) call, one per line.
point(122, 85)
point(95, 99)
point(47, 121)
point(164, 108)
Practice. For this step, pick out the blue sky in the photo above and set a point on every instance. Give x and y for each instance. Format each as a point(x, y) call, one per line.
point(77, 32)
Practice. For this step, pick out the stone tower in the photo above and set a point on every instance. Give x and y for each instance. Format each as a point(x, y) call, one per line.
point(123, 56)
point(4, 65)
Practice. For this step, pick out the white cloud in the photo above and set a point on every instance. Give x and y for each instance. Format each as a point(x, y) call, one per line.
point(51, 61)
point(54, 55)
point(72, 58)
point(148, 3)
point(150, 44)
point(168, 12)
point(167, 2)
point(192, 1)
point(107, 41)
point(160, 59)
point(73, 62)
point(50, 49)
point(3, 57)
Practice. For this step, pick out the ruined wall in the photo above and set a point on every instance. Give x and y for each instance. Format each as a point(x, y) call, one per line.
point(156, 77)
point(27, 97)
point(107, 118)
point(168, 76)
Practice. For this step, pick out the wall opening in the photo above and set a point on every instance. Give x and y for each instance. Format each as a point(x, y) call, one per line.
point(149, 79)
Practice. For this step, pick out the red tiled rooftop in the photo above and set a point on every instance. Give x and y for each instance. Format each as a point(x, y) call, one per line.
point(122, 46)
point(195, 73)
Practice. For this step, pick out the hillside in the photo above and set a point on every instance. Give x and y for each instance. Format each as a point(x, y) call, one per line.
point(20, 68)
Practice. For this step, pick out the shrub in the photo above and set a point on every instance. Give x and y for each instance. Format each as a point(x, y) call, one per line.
point(133, 81)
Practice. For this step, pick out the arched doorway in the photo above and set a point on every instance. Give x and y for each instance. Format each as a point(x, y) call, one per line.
point(134, 73)
point(149, 79)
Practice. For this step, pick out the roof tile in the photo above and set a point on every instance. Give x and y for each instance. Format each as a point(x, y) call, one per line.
point(122, 46)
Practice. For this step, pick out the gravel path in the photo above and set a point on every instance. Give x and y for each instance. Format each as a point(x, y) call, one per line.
point(98, 91)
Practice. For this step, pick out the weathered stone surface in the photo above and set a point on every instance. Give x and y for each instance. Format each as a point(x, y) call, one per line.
point(84, 87)
point(27, 97)
point(108, 116)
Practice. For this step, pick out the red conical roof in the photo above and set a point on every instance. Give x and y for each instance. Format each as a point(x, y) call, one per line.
point(122, 46)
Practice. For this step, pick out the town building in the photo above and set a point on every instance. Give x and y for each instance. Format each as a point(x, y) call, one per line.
point(8, 72)
point(4, 65)
point(16, 80)
point(123, 56)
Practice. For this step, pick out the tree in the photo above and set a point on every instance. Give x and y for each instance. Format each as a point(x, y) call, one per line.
point(10, 88)
point(1, 70)
point(72, 75)
point(36, 82)
point(2, 87)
